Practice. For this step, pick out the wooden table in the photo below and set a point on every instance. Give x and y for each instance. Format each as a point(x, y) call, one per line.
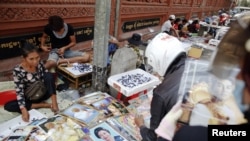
point(79, 79)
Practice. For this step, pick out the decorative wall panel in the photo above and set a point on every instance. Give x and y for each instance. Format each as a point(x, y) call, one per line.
point(29, 14)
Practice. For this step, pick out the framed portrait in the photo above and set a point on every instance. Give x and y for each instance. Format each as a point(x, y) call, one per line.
point(127, 122)
point(20, 133)
point(82, 113)
point(64, 128)
point(93, 97)
point(120, 107)
point(120, 128)
point(103, 106)
point(50, 123)
point(110, 107)
point(104, 131)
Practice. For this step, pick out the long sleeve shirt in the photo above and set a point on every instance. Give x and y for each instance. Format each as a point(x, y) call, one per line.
point(24, 79)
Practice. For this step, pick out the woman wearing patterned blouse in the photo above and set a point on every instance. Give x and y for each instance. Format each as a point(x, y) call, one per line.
point(31, 69)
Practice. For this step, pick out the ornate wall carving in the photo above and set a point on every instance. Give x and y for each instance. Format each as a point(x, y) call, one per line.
point(182, 2)
point(91, 2)
point(18, 14)
point(147, 1)
point(31, 13)
point(143, 9)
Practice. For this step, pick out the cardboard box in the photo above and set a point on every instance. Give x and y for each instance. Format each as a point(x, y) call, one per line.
point(113, 81)
point(195, 52)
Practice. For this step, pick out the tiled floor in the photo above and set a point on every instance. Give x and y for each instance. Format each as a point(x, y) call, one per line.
point(64, 98)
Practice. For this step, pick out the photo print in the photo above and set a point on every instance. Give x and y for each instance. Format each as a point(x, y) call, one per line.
point(61, 128)
point(127, 122)
point(82, 113)
point(91, 98)
point(120, 128)
point(104, 132)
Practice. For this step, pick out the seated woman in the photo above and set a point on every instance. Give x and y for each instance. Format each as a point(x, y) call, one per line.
point(30, 70)
point(194, 27)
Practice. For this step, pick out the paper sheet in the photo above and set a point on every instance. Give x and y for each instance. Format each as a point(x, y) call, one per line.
point(8, 126)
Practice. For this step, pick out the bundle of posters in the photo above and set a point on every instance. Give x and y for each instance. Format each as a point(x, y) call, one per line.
point(104, 103)
point(141, 106)
point(61, 128)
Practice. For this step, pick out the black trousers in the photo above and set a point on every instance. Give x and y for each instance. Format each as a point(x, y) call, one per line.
point(49, 82)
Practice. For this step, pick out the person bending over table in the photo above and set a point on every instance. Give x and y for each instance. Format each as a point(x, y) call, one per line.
point(62, 38)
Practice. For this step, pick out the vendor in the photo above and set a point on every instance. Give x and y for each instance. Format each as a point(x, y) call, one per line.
point(25, 74)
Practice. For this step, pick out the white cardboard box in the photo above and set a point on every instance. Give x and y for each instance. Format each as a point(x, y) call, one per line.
point(126, 91)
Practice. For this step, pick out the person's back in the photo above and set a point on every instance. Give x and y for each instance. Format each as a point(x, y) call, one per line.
point(167, 25)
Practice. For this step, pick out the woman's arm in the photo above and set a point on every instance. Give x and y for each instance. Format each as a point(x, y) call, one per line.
point(44, 47)
point(19, 85)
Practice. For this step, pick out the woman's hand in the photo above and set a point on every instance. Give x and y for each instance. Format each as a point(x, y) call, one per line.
point(167, 127)
point(61, 51)
point(54, 108)
point(139, 121)
point(46, 48)
point(25, 115)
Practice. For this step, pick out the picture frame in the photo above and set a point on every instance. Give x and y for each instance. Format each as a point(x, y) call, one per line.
point(127, 122)
point(120, 128)
point(64, 128)
point(103, 106)
point(20, 133)
point(47, 124)
point(110, 107)
point(91, 98)
point(82, 113)
point(96, 132)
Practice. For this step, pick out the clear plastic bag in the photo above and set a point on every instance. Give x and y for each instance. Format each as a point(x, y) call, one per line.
point(206, 98)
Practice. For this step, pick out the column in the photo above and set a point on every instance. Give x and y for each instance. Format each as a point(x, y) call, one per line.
point(101, 34)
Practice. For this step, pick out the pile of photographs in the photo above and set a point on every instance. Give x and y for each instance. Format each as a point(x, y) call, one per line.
point(96, 116)
point(141, 105)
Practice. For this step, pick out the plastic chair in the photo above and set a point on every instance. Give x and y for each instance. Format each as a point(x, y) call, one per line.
point(6, 96)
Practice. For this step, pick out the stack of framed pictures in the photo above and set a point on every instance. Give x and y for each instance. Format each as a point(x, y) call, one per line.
point(96, 116)
point(61, 128)
point(26, 133)
point(125, 125)
point(141, 105)
point(102, 104)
